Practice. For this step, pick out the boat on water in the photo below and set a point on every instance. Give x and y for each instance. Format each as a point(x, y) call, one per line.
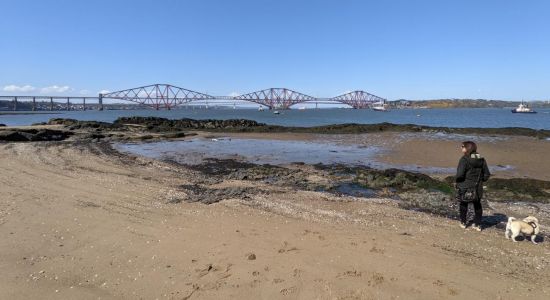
point(523, 109)
point(380, 106)
point(276, 112)
point(261, 108)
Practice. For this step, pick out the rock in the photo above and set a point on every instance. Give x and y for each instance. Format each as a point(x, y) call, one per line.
point(156, 124)
point(15, 136)
point(2, 125)
point(197, 193)
point(429, 201)
point(32, 135)
point(515, 189)
point(62, 121)
point(400, 179)
point(73, 124)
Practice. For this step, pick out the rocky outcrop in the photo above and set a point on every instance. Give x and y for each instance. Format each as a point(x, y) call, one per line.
point(155, 124)
point(73, 124)
point(196, 193)
point(33, 135)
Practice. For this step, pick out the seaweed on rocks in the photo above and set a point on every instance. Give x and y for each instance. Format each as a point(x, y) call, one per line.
point(197, 193)
point(156, 124)
point(230, 169)
point(73, 124)
point(397, 179)
point(220, 167)
point(518, 189)
point(514, 189)
point(33, 135)
point(434, 202)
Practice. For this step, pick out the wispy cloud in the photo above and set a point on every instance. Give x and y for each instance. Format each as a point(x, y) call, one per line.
point(104, 92)
point(55, 89)
point(234, 94)
point(17, 88)
point(84, 92)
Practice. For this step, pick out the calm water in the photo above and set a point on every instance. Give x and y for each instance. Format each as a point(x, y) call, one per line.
point(468, 117)
point(275, 152)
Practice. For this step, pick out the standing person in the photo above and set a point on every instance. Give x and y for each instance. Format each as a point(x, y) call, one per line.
point(472, 170)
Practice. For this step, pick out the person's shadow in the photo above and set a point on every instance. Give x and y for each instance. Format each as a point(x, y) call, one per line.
point(497, 220)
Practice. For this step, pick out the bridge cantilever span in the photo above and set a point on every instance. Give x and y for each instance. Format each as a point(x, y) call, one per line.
point(157, 95)
point(168, 96)
point(275, 97)
point(358, 99)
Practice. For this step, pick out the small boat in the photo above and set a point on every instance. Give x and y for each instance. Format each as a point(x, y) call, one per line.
point(523, 109)
point(380, 106)
point(276, 112)
point(302, 108)
point(261, 108)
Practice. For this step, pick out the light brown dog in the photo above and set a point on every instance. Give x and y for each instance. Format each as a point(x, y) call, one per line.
point(528, 226)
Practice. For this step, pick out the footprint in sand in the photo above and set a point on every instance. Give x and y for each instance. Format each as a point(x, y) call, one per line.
point(286, 248)
point(288, 291)
point(353, 273)
point(376, 279)
point(374, 249)
point(278, 280)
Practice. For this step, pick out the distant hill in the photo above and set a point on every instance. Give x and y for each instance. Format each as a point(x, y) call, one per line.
point(465, 103)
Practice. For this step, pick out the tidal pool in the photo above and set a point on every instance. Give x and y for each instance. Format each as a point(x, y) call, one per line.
point(268, 151)
point(260, 151)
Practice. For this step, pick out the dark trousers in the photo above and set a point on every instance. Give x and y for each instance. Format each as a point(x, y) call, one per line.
point(478, 212)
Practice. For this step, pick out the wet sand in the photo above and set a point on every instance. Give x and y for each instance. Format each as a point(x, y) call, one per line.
point(80, 221)
point(527, 157)
point(512, 156)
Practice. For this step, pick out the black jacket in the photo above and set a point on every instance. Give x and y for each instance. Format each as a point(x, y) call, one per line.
point(469, 169)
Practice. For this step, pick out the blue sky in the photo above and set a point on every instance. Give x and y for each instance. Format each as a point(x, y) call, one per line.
point(394, 49)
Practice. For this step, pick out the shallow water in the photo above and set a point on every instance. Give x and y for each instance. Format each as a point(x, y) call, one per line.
point(458, 117)
point(259, 151)
point(274, 152)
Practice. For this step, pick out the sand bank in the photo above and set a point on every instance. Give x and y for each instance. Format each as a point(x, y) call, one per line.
point(80, 221)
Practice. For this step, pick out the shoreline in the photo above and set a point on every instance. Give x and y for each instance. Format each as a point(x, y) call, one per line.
point(85, 221)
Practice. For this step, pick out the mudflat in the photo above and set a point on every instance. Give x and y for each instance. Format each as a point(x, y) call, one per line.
point(80, 220)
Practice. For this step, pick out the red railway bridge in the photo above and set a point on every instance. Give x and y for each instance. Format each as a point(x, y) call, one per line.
point(168, 96)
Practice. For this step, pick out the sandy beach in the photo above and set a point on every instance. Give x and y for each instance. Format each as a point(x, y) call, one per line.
point(80, 220)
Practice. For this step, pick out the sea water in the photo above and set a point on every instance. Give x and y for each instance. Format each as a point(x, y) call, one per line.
point(456, 117)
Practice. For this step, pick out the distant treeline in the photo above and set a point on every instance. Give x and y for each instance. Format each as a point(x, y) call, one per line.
point(8, 105)
point(466, 103)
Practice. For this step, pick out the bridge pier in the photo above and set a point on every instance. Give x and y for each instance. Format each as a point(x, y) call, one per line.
point(33, 103)
point(15, 103)
point(51, 103)
point(68, 104)
point(84, 104)
point(100, 101)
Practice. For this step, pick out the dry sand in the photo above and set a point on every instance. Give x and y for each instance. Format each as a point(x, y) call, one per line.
point(79, 223)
